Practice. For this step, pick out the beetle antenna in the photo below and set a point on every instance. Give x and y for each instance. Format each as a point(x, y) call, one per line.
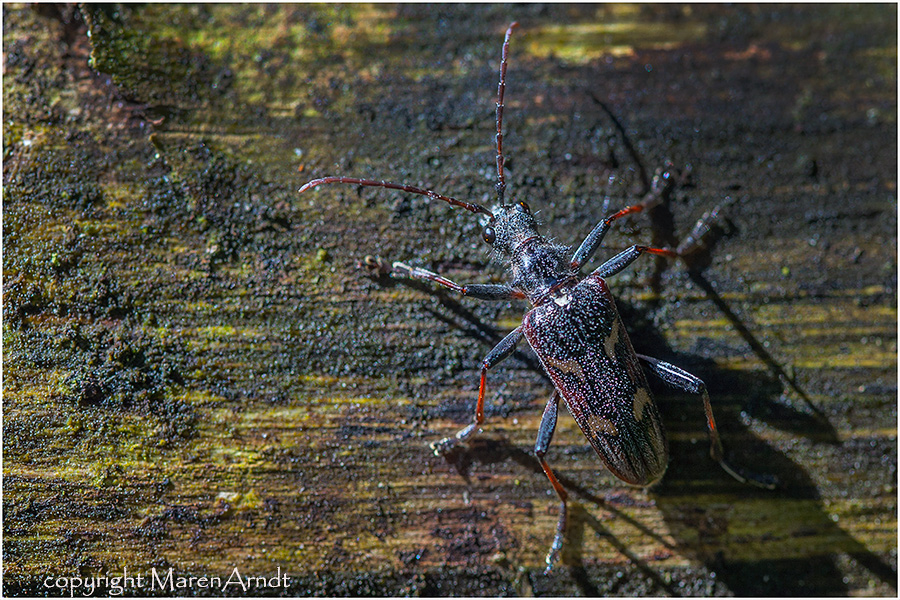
point(501, 88)
point(475, 208)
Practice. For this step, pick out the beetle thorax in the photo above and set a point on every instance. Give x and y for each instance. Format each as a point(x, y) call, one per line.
point(538, 265)
point(539, 269)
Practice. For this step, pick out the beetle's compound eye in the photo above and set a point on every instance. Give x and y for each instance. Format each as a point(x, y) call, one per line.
point(489, 235)
point(524, 207)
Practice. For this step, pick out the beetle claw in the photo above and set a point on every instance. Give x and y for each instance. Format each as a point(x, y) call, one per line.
point(376, 265)
point(445, 446)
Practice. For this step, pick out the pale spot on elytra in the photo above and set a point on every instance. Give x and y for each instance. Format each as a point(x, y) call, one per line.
point(612, 339)
point(566, 367)
point(641, 399)
point(603, 425)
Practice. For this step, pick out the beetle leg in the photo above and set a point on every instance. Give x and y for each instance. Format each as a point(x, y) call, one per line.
point(545, 435)
point(482, 291)
point(595, 237)
point(617, 263)
point(682, 380)
point(502, 350)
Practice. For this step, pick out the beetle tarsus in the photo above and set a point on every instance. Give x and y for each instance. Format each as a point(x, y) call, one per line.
point(444, 446)
point(449, 444)
point(556, 546)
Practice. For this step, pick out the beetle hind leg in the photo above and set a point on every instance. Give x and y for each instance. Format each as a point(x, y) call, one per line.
point(682, 380)
point(545, 435)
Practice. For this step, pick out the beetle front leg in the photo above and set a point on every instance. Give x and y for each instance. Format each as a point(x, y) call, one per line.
point(545, 435)
point(482, 291)
point(595, 237)
point(502, 350)
point(682, 380)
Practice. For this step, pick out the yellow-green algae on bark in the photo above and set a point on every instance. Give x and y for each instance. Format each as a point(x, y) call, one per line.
point(199, 378)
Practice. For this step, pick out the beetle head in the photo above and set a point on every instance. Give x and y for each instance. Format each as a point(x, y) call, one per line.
point(509, 225)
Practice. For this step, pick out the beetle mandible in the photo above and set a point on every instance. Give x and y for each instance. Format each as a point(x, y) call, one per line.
point(576, 332)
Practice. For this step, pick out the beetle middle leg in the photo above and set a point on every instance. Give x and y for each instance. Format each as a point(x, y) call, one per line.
point(682, 380)
point(502, 350)
point(545, 435)
point(483, 291)
point(617, 263)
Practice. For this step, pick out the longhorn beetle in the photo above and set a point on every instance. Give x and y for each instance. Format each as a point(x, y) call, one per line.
point(576, 332)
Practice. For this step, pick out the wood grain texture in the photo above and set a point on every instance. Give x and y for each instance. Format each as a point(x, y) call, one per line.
point(198, 376)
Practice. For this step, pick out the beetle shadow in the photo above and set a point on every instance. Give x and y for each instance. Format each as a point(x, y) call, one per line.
point(796, 501)
point(702, 506)
point(809, 575)
point(762, 398)
point(696, 251)
point(704, 529)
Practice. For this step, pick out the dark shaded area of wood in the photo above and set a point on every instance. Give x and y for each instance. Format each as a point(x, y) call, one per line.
point(199, 376)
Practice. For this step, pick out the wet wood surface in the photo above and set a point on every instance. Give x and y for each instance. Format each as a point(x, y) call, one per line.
point(198, 376)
